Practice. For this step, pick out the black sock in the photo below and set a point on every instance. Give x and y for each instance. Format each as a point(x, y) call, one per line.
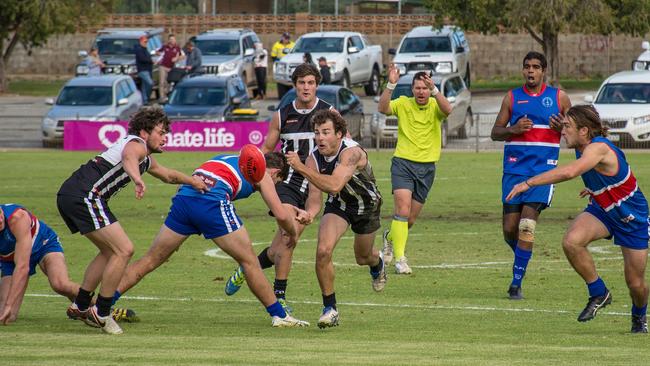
point(330, 300)
point(104, 305)
point(280, 287)
point(263, 258)
point(83, 299)
point(377, 268)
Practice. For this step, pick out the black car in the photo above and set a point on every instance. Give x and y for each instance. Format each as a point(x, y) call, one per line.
point(207, 98)
point(343, 99)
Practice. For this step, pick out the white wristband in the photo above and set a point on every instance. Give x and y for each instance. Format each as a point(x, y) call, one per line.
point(434, 91)
point(391, 86)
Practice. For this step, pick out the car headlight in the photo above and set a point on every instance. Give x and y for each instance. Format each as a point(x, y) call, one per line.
point(131, 69)
point(49, 122)
point(443, 67)
point(401, 68)
point(641, 120)
point(280, 68)
point(82, 70)
point(639, 65)
point(227, 67)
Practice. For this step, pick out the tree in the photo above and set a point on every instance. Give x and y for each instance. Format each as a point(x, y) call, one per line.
point(545, 20)
point(31, 22)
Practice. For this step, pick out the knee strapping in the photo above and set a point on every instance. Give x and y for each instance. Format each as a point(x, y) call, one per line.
point(527, 230)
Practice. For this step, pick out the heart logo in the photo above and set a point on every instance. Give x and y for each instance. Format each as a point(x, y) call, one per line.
point(255, 137)
point(110, 134)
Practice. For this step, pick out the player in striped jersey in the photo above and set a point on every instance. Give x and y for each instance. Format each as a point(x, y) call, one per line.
point(83, 198)
point(617, 209)
point(529, 123)
point(212, 214)
point(341, 168)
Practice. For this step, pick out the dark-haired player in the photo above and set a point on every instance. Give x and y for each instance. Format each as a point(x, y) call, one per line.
point(617, 209)
point(340, 167)
point(83, 198)
point(291, 126)
point(529, 124)
point(212, 214)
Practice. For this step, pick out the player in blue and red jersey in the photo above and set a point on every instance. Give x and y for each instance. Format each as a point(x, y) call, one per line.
point(529, 123)
point(617, 209)
point(212, 214)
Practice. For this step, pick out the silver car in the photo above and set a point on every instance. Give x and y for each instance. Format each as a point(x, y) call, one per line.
point(91, 98)
point(452, 86)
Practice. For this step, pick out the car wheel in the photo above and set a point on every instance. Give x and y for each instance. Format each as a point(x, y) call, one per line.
point(443, 134)
point(282, 90)
point(463, 131)
point(372, 88)
point(345, 82)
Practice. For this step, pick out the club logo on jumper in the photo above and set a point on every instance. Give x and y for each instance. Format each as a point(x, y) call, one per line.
point(627, 219)
point(110, 134)
point(547, 102)
point(255, 137)
point(522, 101)
point(551, 162)
point(512, 159)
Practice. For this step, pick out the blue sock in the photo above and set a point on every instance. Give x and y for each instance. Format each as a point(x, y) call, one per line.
point(116, 297)
point(597, 288)
point(522, 257)
point(276, 309)
point(639, 311)
point(512, 244)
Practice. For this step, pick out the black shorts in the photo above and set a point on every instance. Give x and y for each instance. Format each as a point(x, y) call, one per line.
point(416, 177)
point(291, 195)
point(360, 224)
point(84, 215)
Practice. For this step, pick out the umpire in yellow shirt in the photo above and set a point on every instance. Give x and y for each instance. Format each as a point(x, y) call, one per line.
point(413, 167)
point(279, 47)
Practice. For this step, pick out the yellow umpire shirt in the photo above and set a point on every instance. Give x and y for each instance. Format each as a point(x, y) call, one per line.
point(418, 129)
point(277, 51)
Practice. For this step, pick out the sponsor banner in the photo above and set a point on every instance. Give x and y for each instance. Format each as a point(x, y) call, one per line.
point(184, 136)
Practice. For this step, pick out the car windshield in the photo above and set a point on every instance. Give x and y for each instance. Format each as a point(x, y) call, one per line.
point(425, 44)
point(85, 95)
point(326, 44)
point(116, 46)
point(405, 90)
point(624, 93)
point(194, 95)
point(328, 96)
point(218, 47)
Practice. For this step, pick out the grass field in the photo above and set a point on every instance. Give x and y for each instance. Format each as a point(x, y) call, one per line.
point(453, 310)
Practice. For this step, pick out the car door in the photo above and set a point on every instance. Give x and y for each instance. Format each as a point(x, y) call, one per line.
point(248, 64)
point(451, 90)
point(362, 67)
point(121, 92)
point(351, 109)
point(354, 59)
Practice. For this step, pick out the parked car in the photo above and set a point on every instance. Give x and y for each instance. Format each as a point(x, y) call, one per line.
point(229, 52)
point(116, 48)
point(207, 98)
point(444, 50)
point(623, 102)
point(350, 56)
point(643, 61)
point(342, 99)
point(452, 86)
point(93, 98)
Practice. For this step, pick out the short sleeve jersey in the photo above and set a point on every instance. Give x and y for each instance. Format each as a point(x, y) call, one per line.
point(418, 129)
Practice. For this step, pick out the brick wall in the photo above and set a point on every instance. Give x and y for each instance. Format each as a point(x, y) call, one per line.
point(492, 55)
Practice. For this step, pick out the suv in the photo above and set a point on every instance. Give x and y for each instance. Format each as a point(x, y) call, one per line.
point(207, 98)
point(623, 103)
point(452, 86)
point(442, 50)
point(229, 52)
point(93, 98)
point(116, 49)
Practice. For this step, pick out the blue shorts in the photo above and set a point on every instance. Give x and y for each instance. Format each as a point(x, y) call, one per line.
point(633, 238)
point(196, 215)
point(50, 246)
point(537, 194)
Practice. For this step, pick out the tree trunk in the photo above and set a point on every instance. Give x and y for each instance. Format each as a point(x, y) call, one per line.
point(551, 51)
point(3, 76)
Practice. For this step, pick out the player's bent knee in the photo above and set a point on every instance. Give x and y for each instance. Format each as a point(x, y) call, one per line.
point(323, 256)
point(527, 230)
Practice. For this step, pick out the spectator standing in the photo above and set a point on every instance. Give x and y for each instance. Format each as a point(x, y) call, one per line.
point(171, 53)
point(94, 63)
point(144, 67)
point(194, 58)
point(323, 67)
point(261, 62)
point(282, 47)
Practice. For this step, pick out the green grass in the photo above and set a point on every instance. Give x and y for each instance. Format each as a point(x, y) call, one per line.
point(507, 84)
point(453, 310)
point(36, 88)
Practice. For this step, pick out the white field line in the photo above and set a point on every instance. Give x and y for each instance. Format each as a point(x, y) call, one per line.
point(362, 304)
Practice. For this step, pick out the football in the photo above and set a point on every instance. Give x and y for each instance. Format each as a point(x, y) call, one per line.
point(252, 163)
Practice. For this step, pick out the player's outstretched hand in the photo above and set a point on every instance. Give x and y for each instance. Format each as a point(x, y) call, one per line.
point(517, 189)
point(303, 217)
point(140, 188)
point(293, 159)
point(7, 316)
point(199, 184)
point(556, 122)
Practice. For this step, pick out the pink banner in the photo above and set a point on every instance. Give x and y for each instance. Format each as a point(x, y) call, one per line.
point(184, 136)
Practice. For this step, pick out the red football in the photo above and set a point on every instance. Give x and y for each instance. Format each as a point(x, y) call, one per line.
point(252, 163)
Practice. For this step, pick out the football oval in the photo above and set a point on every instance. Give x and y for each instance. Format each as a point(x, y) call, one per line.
point(252, 163)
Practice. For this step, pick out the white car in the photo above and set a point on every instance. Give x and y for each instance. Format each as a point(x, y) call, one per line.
point(444, 50)
point(643, 62)
point(623, 102)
